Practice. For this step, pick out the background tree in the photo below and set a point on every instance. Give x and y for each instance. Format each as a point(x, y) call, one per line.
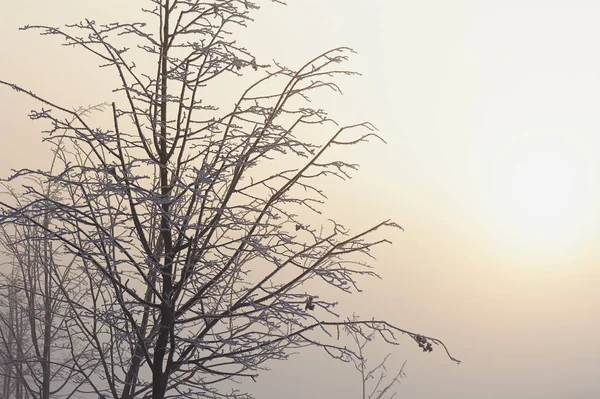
point(11, 332)
point(197, 231)
point(375, 382)
point(39, 352)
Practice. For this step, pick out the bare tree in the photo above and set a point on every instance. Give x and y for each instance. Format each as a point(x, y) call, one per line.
point(375, 382)
point(12, 333)
point(39, 351)
point(197, 231)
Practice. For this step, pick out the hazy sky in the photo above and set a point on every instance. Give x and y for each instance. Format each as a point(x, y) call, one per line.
point(490, 110)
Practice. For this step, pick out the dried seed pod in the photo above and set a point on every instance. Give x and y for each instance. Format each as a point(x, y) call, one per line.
point(309, 304)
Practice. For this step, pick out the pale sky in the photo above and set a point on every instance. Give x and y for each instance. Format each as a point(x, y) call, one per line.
point(490, 111)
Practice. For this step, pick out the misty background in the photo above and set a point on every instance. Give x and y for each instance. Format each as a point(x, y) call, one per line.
point(468, 95)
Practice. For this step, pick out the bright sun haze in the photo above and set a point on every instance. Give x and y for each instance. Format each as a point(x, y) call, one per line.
point(541, 197)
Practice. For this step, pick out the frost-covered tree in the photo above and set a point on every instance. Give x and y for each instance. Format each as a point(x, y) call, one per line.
point(376, 383)
point(41, 356)
point(194, 225)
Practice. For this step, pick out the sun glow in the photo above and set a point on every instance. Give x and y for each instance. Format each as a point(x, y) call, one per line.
point(541, 198)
